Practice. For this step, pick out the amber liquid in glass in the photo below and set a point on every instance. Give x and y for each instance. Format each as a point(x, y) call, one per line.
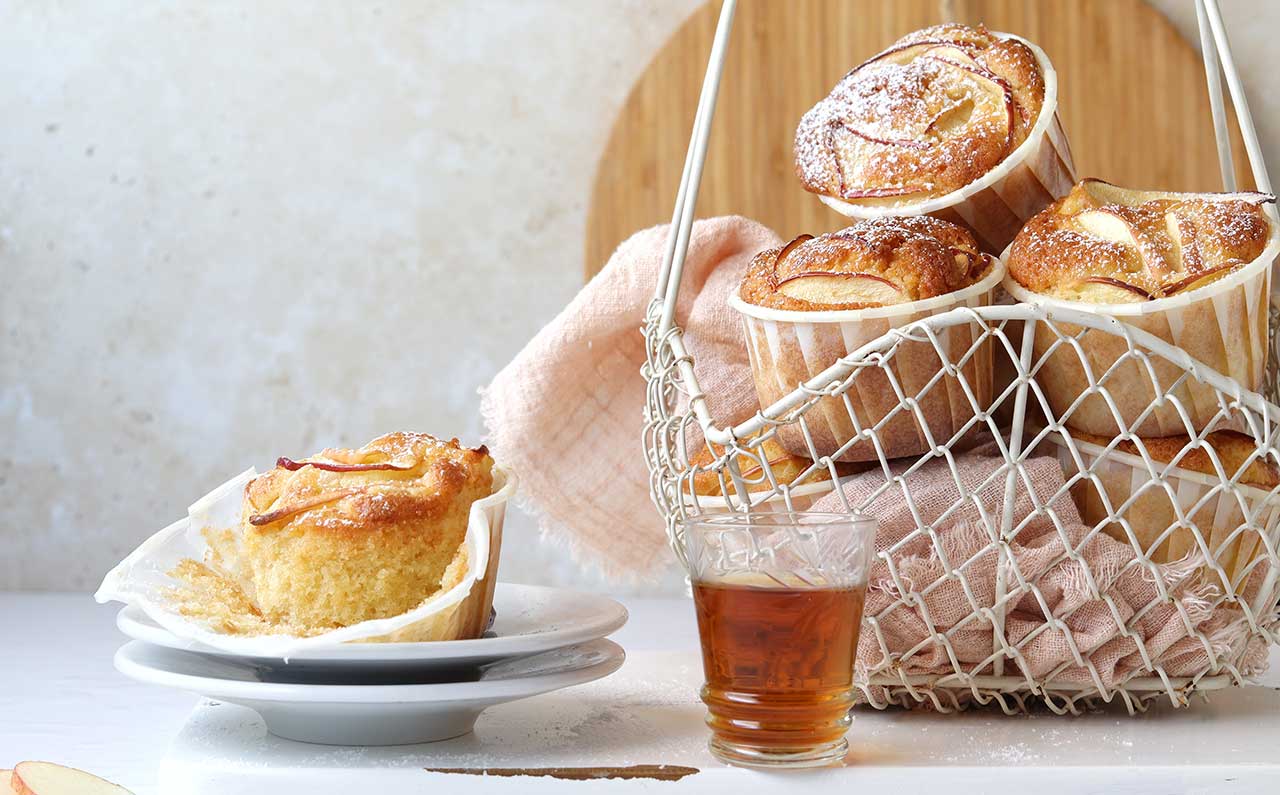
point(779, 664)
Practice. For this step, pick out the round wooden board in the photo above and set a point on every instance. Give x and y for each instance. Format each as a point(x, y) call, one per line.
point(1133, 101)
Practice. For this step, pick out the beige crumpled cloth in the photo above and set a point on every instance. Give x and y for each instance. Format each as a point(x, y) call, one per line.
point(566, 415)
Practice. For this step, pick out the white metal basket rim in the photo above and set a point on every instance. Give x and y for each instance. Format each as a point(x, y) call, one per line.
point(844, 366)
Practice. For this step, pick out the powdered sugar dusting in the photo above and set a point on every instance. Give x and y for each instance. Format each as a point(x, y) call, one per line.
point(923, 118)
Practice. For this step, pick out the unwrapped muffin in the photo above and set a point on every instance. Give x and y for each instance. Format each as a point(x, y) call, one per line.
point(351, 536)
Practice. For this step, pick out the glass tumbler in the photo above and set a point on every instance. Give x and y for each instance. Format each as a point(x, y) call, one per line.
point(779, 600)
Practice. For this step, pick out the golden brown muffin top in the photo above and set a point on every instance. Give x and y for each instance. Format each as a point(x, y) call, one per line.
point(399, 477)
point(1109, 245)
point(1232, 448)
point(929, 115)
point(785, 467)
point(876, 262)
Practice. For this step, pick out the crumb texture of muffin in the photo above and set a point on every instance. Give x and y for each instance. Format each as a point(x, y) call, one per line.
point(1109, 245)
point(353, 535)
point(931, 114)
point(873, 263)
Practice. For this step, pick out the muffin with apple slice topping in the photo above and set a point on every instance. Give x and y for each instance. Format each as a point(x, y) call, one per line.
point(950, 120)
point(813, 301)
point(1109, 245)
point(347, 536)
point(1192, 268)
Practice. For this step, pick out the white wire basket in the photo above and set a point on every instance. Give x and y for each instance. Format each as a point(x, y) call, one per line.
point(1207, 527)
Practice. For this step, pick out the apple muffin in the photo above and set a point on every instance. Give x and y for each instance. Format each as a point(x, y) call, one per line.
point(1108, 245)
point(353, 535)
point(873, 263)
point(348, 536)
point(1192, 269)
point(809, 304)
point(935, 111)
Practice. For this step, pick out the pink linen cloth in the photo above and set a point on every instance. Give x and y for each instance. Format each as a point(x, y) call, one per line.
point(1038, 552)
point(566, 412)
point(566, 415)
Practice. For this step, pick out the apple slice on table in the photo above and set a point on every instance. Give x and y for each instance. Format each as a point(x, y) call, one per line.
point(6, 782)
point(46, 778)
point(824, 287)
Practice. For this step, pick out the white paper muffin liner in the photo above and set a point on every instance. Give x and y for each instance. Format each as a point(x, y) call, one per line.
point(1222, 325)
point(142, 579)
point(787, 348)
point(995, 206)
point(1220, 519)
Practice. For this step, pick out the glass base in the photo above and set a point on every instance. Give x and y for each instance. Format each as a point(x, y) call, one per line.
point(777, 759)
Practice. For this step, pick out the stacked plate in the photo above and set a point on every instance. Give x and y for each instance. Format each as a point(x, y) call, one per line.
point(542, 639)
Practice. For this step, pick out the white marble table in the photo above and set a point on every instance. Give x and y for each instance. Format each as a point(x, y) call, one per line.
point(61, 700)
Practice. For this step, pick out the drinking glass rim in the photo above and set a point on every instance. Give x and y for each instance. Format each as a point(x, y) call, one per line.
point(742, 520)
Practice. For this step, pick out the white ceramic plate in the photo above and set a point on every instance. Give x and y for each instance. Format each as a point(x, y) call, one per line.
point(530, 619)
point(367, 714)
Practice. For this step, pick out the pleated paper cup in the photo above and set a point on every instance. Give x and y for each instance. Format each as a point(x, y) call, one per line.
point(788, 348)
point(994, 207)
point(1221, 520)
point(1223, 326)
point(458, 610)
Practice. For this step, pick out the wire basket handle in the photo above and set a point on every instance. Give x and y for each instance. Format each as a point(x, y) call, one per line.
point(1218, 60)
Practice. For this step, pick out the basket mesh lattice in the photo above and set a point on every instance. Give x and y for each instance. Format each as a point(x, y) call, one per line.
point(1202, 530)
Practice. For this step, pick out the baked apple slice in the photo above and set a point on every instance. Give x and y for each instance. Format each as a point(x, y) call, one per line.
point(46, 778)
point(824, 287)
point(1109, 290)
point(993, 86)
point(1106, 193)
point(1200, 279)
point(1110, 223)
point(333, 466)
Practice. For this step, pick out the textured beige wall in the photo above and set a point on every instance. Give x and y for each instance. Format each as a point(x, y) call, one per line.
point(237, 230)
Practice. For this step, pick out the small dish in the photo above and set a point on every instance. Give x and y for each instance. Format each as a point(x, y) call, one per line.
point(365, 714)
point(530, 619)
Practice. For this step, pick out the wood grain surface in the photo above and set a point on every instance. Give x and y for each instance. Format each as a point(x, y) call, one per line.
point(1132, 99)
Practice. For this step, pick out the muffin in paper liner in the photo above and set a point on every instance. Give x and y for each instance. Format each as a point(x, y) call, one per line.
point(787, 348)
point(459, 610)
point(1221, 518)
point(995, 206)
point(1222, 325)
